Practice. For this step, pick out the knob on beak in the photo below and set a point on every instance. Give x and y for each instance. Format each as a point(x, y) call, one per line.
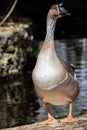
point(62, 10)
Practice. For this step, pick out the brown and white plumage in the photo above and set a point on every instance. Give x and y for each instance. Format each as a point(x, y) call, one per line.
point(53, 78)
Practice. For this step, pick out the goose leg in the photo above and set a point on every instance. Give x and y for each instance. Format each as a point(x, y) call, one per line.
point(69, 118)
point(50, 119)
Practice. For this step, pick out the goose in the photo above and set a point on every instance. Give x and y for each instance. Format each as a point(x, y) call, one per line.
point(53, 78)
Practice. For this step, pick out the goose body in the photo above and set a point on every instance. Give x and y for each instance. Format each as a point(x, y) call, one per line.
point(53, 78)
point(53, 83)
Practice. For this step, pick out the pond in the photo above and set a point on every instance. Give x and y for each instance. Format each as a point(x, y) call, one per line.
point(19, 104)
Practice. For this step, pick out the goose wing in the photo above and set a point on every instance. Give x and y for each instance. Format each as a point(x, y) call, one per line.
point(69, 67)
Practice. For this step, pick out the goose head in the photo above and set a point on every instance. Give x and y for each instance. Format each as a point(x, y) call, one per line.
point(56, 11)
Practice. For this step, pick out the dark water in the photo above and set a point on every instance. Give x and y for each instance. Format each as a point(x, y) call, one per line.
point(19, 103)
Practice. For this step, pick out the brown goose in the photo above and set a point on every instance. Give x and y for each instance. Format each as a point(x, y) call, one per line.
point(53, 78)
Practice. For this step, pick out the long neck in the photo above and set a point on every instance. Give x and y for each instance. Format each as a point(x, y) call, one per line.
point(50, 28)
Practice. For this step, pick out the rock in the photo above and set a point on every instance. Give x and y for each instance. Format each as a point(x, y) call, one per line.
point(16, 40)
point(10, 49)
point(80, 125)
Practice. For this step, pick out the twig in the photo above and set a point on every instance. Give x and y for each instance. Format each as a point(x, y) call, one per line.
point(9, 13)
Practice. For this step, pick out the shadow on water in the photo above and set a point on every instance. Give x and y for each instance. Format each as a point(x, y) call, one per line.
point(19, 103)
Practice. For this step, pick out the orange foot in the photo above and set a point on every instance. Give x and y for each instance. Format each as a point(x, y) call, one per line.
point(68, 119)
point(49, 121)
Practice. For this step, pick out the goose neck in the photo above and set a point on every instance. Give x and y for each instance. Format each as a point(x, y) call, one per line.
point(51, 23)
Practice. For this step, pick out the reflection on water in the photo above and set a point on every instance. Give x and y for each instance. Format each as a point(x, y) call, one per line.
point(18, 102)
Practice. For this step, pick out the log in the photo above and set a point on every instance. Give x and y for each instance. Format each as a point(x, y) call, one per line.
point(80, 125)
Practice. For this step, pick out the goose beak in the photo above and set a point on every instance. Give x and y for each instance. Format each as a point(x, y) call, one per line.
point(62, 11)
